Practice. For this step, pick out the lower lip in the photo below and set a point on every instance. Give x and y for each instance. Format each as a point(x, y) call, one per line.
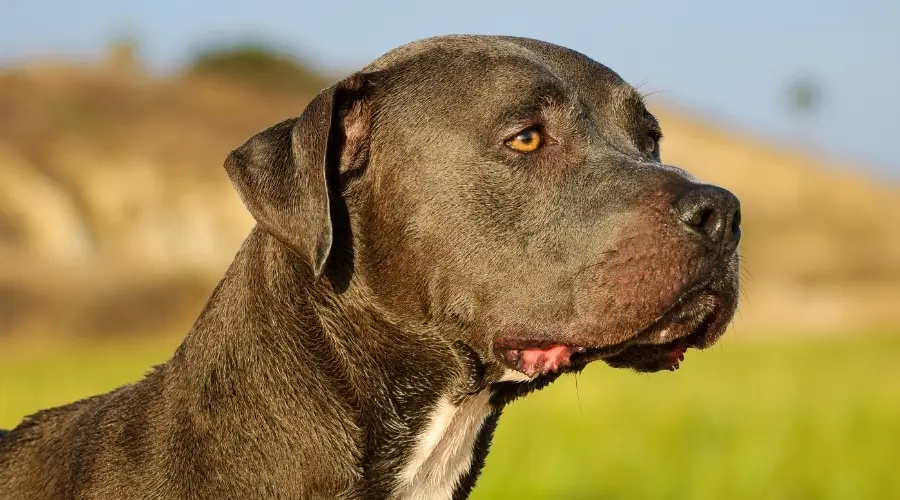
point(710, 306)
point(676, 357)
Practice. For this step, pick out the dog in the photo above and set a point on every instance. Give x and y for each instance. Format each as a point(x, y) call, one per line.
point(448, 229)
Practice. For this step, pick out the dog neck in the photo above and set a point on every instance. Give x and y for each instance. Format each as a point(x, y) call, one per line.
point(289, 351)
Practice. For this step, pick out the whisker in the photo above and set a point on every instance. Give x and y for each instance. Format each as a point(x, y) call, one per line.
point(578, 396)
point(645, 95)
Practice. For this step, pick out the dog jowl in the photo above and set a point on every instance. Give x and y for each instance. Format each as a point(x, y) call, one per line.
point(455, 225)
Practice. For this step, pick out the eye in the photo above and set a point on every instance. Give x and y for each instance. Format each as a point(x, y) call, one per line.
point(526, 141)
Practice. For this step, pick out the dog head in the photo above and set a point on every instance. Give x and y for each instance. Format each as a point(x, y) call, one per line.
point(510, 191)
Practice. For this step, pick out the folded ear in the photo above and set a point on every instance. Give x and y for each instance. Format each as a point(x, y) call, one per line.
point(282, 174)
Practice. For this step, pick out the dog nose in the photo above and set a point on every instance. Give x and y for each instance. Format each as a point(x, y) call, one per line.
point(713, 213)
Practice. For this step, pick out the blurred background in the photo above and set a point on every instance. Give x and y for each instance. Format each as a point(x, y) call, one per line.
point(117, 219)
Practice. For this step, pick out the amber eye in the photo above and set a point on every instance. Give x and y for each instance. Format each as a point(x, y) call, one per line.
point(527, 141)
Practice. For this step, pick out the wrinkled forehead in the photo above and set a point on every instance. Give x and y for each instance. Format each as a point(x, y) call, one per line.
point(456, 76)
point(597, 84)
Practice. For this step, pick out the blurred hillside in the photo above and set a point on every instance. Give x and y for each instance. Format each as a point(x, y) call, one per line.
point(117, 217)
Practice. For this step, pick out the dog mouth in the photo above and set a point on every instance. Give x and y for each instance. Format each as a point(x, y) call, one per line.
point(693, 322)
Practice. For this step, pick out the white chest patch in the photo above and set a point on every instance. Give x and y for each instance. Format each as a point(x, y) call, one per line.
point(444, 450)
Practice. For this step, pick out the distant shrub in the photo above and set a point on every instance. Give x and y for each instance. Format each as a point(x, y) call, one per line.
point(257, 65)
point(123, 55)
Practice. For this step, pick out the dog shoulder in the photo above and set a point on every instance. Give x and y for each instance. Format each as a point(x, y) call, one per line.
point(71, 447)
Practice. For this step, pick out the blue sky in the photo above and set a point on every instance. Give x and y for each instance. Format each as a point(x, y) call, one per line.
point(732, 60)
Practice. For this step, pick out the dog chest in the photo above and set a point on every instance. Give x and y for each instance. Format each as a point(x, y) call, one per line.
point(444, 450)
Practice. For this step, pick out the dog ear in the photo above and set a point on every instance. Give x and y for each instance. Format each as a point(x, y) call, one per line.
point(287, 175)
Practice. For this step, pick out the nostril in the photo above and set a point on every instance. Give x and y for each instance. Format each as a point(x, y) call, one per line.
point(711, 212)
point(700, 215)
point(736, 223)
point(703, 217)
point(733, 237)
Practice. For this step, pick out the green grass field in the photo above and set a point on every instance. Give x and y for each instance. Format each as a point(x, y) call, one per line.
point(803, 419)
